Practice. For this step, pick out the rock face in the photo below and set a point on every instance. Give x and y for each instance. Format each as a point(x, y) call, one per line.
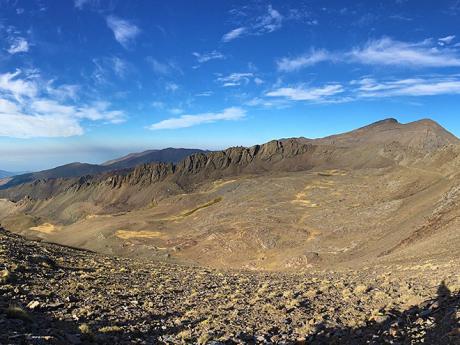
point(370, 194)
point(287, 155)
point(58, 295)
point(381, 144)
point(76, 170)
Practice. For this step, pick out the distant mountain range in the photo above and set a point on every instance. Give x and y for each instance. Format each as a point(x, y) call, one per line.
point(4, 173)
point(386, 192)
point(168, 155)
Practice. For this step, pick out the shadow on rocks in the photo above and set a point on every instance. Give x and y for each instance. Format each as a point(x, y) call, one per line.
point(432, 322)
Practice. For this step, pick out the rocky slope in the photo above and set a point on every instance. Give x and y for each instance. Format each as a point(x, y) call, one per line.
point(172, 155)
point(76, 170)
point(372, 146)
point(383, 192)
point(58, 295)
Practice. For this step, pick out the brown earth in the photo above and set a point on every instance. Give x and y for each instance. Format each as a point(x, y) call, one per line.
point(381, 193)
point(350, 239)
point(51, 294)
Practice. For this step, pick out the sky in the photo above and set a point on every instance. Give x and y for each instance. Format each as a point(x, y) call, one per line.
point(91, 80)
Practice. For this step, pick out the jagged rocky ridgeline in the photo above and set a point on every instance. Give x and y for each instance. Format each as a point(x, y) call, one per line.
point(381, 144)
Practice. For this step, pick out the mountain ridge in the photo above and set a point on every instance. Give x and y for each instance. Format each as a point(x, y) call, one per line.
point(279, 205)
point(77, 169)
point(345, 150)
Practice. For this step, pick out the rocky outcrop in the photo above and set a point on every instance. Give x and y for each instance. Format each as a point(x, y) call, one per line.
point(51, 294)
point(195, 168)
point(378, 145)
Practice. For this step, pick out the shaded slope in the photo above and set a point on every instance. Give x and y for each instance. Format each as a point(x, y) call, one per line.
point(285, 204)
point(4, 173)
point(171, 155)
point(82, 169)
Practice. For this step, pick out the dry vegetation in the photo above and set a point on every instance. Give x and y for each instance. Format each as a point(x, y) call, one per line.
point(64, 296)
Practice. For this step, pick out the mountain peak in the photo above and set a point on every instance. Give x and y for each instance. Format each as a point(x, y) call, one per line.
point(384, 121)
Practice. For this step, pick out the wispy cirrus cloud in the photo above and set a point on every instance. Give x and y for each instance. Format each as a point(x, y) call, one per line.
point(204, 94)
point(382, 52)
point(30, 107)
point(163, 67)
point(105, 68)
point(446, 40)
point(185, 121)
point(124, 31)
point(171, 87)
point(205, 57)
point(424, 86)
point(312, 94)
point(271, 20)
point(237, 79)
point(233, 34)
point(364, 88)
point(387, 51)
point(18, 45)
point(293, 64)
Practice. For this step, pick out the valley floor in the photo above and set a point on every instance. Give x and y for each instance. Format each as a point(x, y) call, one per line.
point(51, 294)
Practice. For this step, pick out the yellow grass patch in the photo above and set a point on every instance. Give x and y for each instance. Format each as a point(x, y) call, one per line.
point(128, 234)
point(209, 203)
point(192, 211)
point(306, 203)
point(93, 216)
point(220, 183)
point(333, 172)
point(46, 228)
point(313, 233)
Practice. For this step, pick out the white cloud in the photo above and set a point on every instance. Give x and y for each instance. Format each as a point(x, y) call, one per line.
point(30, 107)
point(163, 68)
point(15, 87)
point(235, 33)
point(293, 64)
point(158, 105)
point(385, 52)
point(268, 22)
point(184, 121)
point(80, 3)
point(63, 92)
point(8, 107)
point(236, 79)
point(120, 66)
point(446, 40)
point(307, 94)
point(267, 103)
point(389, 52)
point(176, 111)
point(26, 126)
point(205, 57)
point(106, 67)
point(369, 87)
point(204, 94)
point(124, 31)
point(18, 45)
point(172, 87)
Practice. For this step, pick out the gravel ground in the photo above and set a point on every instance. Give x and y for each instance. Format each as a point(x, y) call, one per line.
point(51, 294)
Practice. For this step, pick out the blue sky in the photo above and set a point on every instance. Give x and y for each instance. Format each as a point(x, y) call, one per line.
point(89, 80)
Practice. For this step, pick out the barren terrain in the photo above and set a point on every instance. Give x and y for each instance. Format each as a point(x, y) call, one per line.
point(346, 239)
point(57, 295)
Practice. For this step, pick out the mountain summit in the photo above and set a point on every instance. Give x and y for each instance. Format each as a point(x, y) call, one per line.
point(371, 194)
point(421, 135)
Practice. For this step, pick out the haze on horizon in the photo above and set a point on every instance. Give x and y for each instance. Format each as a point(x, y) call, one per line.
point(89, 80)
